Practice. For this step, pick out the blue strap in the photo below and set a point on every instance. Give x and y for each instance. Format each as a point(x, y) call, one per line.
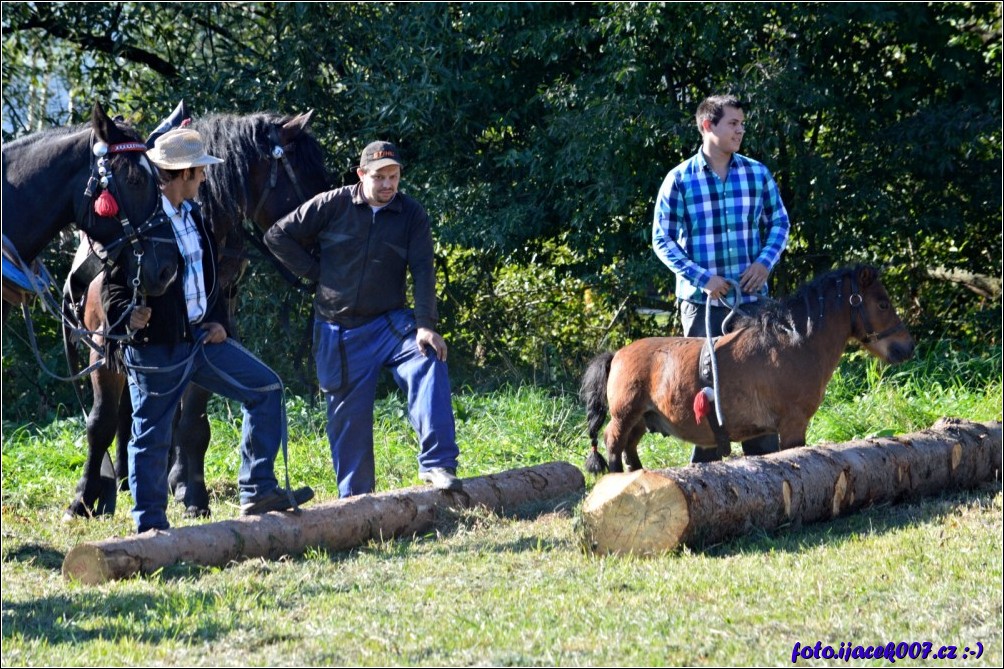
point(16, 274)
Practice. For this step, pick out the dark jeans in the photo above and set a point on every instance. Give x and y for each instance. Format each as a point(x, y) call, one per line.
point(692, 315)
point(349, 362)
point(227, 369)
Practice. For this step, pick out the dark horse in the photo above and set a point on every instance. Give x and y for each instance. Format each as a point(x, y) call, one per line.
point(773, 371)
point(98, 177)
point(271, 165)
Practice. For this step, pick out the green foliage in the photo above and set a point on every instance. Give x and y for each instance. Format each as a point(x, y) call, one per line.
point(537, 136)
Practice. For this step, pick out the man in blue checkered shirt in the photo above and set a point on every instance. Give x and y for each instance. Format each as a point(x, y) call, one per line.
point(712, 215)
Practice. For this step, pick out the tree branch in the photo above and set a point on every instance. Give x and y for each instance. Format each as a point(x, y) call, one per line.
point(104, 44)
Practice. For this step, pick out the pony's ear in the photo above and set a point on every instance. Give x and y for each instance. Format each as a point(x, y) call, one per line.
point(867, 275)
point(294, 126)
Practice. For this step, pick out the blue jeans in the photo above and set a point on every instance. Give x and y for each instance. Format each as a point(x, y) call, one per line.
point(349, 361)
point(227, 369)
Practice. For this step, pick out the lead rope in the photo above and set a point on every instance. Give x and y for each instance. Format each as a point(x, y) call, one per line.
point(734, 309)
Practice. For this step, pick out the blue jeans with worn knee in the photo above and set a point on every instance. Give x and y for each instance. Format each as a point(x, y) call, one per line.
point(158, 375)
point(349, 361)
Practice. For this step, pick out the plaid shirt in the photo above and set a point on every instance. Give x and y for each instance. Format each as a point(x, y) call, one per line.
point(190, 246)
point(705, 227)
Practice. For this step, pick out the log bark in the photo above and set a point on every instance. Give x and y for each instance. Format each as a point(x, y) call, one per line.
point(336, 526)
point(653, 511)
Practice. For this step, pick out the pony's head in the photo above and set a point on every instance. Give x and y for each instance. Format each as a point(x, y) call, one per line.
point(874, 321)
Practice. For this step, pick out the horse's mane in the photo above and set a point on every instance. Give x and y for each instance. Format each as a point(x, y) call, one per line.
point(242, 141)
point(788, 320)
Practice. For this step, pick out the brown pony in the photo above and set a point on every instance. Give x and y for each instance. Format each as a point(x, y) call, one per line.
point(773, 371)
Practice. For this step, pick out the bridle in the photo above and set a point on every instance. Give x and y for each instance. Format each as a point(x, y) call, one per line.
point(860, 316)
point(278, 156)
point(102, 177)
point(100, 182)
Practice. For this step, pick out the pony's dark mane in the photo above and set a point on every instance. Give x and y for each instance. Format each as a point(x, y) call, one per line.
point(242, 141)
point(780, 322)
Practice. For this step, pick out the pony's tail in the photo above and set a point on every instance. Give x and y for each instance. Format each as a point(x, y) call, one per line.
point(593, 393)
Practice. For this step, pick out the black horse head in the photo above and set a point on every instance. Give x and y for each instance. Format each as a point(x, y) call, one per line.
point(122, 208)
point(53, 178)
point(273, 164)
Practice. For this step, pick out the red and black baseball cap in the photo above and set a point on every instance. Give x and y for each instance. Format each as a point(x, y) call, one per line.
point(380, 154)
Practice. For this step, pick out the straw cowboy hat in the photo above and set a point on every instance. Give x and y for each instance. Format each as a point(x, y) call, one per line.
point(180, 149)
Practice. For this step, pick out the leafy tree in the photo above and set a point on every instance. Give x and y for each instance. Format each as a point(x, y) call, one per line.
point(538, 134)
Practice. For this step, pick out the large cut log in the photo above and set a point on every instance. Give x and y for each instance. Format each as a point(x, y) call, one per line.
point(651, 512)
point(337, 525)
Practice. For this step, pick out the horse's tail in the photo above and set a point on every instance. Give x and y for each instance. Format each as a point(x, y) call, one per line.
point(594, 393)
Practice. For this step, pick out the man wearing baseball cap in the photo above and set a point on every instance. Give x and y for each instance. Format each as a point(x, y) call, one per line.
point(370, 237)
point(180, 337)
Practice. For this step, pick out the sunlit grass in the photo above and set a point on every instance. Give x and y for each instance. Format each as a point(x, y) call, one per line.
point(486, 589)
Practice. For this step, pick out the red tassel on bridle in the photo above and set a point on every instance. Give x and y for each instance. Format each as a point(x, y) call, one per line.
point(105, 205)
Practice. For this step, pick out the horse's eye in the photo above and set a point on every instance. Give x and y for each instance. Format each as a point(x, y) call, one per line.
point(883, 305)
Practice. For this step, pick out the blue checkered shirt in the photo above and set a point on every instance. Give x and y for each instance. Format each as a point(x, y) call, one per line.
point(190, 245)
point(705, 227)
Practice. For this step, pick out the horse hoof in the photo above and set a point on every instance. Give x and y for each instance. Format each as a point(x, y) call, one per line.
point(196, 512)
point(77, 509)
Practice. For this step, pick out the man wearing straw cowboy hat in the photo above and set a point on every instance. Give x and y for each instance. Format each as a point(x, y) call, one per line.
point(178, 337)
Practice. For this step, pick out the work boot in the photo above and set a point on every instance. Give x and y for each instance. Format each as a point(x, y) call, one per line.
point(277, 500)
point(442, 479)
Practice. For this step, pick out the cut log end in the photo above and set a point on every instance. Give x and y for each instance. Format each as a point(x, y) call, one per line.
point(640, 513)
point(91, 565)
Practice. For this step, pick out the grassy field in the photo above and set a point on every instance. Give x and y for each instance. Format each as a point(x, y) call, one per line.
point(485, 589)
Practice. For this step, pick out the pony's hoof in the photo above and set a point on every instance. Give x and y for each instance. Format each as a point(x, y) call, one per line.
point(196, 512)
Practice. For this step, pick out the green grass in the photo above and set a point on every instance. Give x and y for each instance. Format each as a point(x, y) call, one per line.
point(481, 588)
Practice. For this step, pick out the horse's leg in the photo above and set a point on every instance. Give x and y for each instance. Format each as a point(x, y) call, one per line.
point(791, 431)
point(177, 475)
point(705, 454)
point(191, 441)
point(631, 460)
point(96, 494)
point(762, 445)
point(617, 436)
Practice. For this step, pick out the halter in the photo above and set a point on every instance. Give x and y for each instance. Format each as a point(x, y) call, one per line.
point(277, 155)
point(856, 300)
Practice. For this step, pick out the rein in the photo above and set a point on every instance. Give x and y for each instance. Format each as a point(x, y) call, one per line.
point(734, 309)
